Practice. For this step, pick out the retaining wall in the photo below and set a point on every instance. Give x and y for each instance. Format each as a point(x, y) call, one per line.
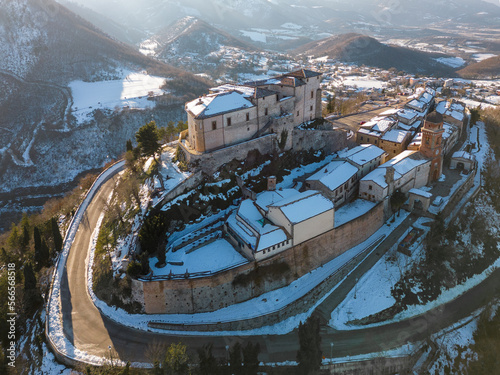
point(210, 293)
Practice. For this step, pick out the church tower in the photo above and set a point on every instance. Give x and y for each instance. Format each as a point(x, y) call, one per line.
point(432, 142)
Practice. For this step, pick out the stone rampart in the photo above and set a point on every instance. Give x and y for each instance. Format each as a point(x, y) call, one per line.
point(210, 293)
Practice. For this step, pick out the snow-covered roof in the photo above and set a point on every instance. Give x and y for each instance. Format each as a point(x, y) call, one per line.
point(403, 163)
point(378, 124)
point(214, 104)
point(417, 140)
point(396, 136)
point(362, 154)
point(267, 198)
point(421, 193)
point(263, 235)
point(463, 155)
point(442, 107)
point(304, 206)
point(417, 104)
point(408, 114)
point(271, 238)
point(335, 174)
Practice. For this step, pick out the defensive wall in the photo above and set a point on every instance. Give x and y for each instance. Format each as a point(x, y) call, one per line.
point(204, 294)
point(328, 140)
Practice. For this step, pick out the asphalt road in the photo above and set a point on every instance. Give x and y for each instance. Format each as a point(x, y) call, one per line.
point(92, 332)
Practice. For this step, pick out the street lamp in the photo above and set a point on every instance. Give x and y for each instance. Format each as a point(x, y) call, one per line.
point(355, 287)
point(331, 352)
point(227, 354)
point(110, 357)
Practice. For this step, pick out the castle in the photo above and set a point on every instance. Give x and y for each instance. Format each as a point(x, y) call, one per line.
point(231, 114)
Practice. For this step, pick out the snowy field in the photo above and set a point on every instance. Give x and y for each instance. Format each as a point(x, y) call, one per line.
point(482, 56)
point(213, 257)
point(454, 62)
point(254, 36)
point(132, 91)
point(362, 83)
point(474, 103)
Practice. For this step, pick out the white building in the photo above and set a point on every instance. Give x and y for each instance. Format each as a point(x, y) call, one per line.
point(406, 171)
point(278, 220)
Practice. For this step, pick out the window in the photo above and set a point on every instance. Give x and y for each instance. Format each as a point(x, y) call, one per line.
point(311, 108)
point(229, 121)
point(367, 139)
point(214, 125)
point(394, 151)
point(298, 113)
point(277, 98)
point(312, 94)
point(265, 112)
point(361, 138)
point(370, 187)
point(248, 116)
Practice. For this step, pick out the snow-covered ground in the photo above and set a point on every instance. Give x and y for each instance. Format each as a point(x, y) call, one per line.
point(454, 62)
point(131, 91)
point(254, 35)
point(372, 293)
point(474, 103)
point(452, 342)
point(482, 56)
point(362, 83)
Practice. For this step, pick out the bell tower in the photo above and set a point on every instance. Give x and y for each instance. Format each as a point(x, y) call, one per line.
point(432, 144)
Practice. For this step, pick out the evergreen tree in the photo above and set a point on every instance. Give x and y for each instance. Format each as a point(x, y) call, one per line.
point(177, 359)
point(25, 227)
point(309, 355)
point(207, 363)
point(14, 240)
point(148, 140)
point(29, 277)
point(44, 253)
point(170, 130)
point(235, 360)
point(251, 359)
point(128, 145)
point(38, 246)
point(56, 234)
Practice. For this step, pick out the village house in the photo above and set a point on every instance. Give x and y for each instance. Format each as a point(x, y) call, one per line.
point(339, 180)
point(406, 171)
point(278, 220)
point(232, 114)
point(453, 113)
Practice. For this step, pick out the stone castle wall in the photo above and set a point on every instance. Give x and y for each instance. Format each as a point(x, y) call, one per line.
point(211, 293)
point(328, 140)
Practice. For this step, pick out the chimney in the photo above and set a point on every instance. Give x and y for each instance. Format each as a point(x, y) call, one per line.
point(271, 183)
point(389, 175)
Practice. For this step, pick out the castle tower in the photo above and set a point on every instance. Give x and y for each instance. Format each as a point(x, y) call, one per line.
point(431, 147)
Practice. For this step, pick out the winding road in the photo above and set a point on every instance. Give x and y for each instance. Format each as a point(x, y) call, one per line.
point(92, 332)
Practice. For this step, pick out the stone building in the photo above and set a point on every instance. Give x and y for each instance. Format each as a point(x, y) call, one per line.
point(231, 114)
point(339, 180)
point(278, 220)
point(406, 171)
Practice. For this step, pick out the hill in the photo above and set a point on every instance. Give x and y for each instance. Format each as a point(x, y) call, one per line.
point(364, 50)
point(489, 68)
point(114, 29)
point(43, 48)
point(194, 36)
